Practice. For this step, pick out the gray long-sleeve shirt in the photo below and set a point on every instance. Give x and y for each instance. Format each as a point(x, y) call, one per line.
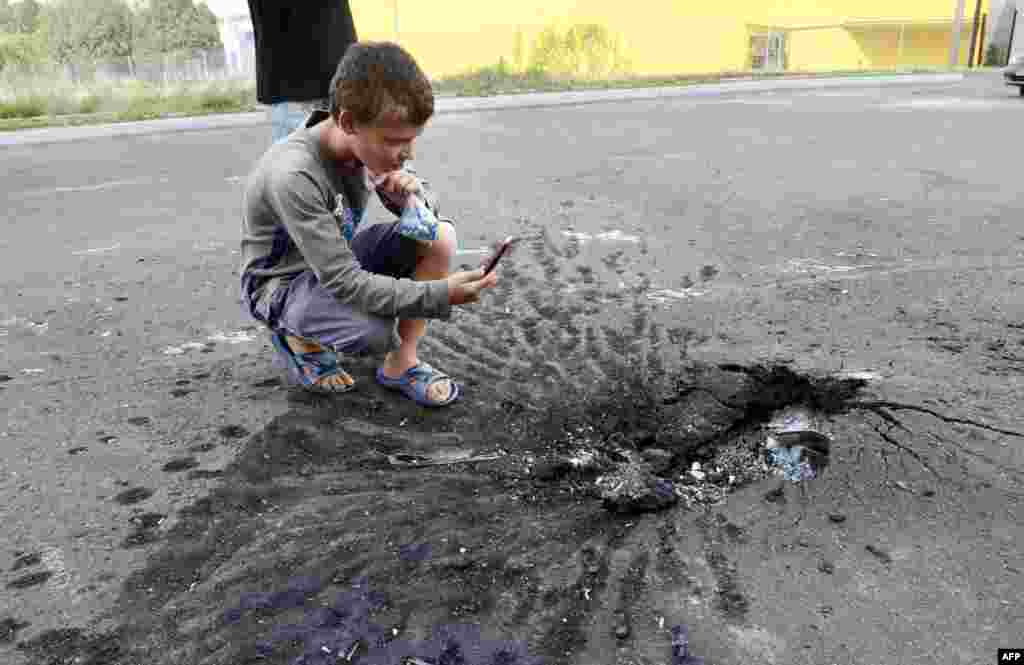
point(295, 203)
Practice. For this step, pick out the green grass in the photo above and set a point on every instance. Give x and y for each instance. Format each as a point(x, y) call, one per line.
point(29, 106)
point(34, 103)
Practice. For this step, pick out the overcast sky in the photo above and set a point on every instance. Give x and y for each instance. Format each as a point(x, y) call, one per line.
point(223, 7)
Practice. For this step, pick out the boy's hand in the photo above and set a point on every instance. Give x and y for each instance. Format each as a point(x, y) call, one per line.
point(464, 287)
point(399, 182)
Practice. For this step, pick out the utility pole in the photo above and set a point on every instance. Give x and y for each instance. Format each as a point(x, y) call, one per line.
point(974, 35)
point(954, 44)
point(1009, 46)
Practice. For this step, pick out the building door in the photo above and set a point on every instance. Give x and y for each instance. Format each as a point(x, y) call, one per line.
point(768, 52)
point(775, 58)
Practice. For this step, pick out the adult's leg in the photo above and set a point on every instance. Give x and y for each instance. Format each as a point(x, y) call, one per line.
point(286, 117)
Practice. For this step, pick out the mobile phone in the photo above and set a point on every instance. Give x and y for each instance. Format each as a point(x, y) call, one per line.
point(502, 249)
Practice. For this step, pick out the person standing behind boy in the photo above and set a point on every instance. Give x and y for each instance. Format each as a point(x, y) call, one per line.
point(323, 282)
point(298, 45)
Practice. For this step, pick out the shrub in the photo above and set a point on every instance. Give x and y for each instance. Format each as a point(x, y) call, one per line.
point(31, 106)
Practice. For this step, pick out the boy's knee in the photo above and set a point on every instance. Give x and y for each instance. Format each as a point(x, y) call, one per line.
point(447, 242)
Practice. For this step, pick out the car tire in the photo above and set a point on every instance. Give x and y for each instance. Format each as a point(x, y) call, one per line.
point(1020, 89)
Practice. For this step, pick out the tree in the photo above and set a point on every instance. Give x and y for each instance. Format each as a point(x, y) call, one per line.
point(21, 18)
point(205, 30)
point(167, 26)
point(6, 16)
point(88, 30)
point(20, 50)
point(25, 17)
point(995, 56)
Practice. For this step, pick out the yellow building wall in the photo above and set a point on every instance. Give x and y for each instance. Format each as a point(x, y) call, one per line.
point(828, 48)
point(660, 37)
point(922, 47)
point(842, 49)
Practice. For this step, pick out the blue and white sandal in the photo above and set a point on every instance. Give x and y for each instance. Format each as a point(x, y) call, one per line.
point(415, 381)
point(308, 370)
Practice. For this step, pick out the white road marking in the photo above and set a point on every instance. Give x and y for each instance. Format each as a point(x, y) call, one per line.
point(862, 375)
point(665, 295)
point(184, 348)
point(617, 236)
point(812, 266)
point(236, 337)
point(112, 184)
point(606, 236)
point(98, 250)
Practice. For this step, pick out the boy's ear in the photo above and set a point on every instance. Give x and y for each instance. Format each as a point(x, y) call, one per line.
point(345, 121)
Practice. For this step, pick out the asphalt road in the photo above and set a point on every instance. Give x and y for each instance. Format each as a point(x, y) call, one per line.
point(873, 229)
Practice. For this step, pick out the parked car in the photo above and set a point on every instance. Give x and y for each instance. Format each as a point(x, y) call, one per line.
point(1013, 74)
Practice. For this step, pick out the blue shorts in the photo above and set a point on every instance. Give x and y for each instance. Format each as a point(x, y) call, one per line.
point(302, 308)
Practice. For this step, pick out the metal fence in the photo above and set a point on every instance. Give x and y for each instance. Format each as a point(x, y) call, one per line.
point(865, 44)
point(166, 69)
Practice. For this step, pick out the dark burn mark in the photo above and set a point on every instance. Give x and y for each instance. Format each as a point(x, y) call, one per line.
point(132, 496)
point(66, 645)
point(26, 561)
point(730, 600)
point(147, 520)
point(181, 464)
point(348, 536)
point(139, 538)
point(734, 533)
point(30, 580)
point(233, 432)
point(9, 628)
point(879, 553)
point(634, 583)
point(205, 474)
point(669, 565)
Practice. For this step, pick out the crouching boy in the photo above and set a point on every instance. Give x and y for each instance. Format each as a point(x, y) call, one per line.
point(325, 283)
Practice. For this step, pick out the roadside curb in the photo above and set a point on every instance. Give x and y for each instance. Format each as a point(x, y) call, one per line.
point(547, 99)
point(445, 105)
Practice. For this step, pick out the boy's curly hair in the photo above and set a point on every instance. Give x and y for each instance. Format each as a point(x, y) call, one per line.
point(374, 77)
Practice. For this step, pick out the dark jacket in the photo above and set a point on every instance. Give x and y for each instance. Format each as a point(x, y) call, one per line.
point(298, 46)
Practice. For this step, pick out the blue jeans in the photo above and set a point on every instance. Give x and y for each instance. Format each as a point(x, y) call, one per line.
point(286, 117)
